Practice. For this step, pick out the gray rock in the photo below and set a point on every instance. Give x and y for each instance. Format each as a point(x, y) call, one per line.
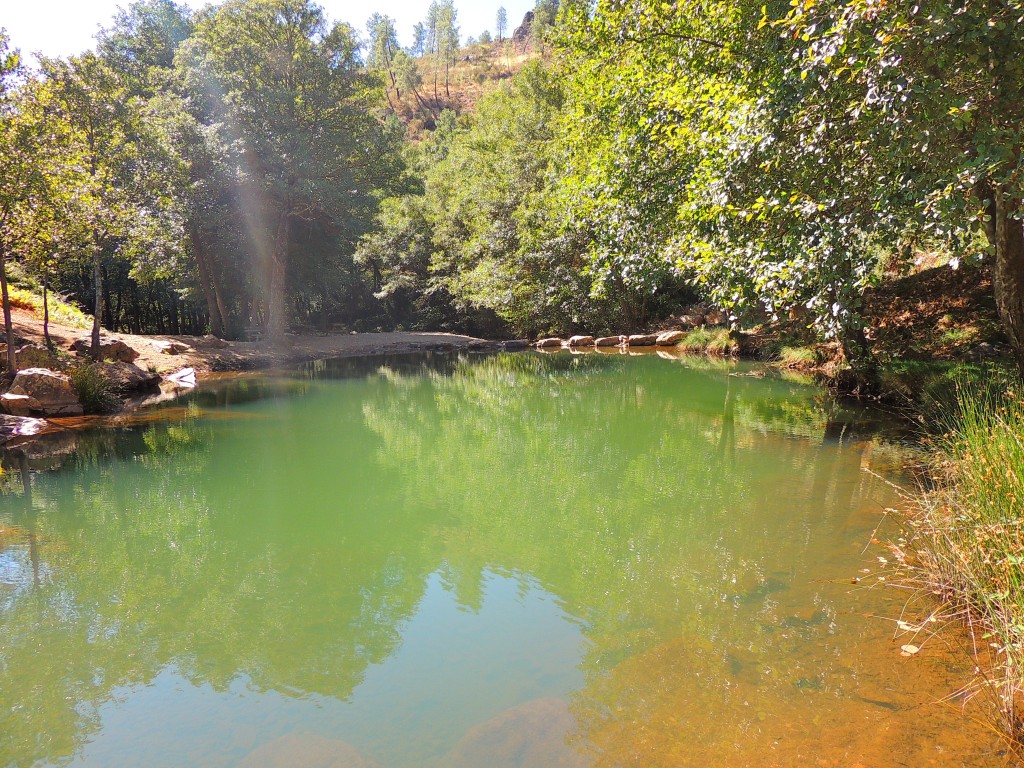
point(643, 340)
point(52, 390)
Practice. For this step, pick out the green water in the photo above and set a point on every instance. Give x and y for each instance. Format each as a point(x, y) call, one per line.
point(518, 560)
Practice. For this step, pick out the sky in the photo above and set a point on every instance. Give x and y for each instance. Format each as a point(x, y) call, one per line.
point(67, 27)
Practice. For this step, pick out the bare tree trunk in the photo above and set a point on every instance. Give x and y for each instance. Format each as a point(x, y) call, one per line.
point(276, 320)
point(12, 359)
point(97, 313)
point(1005, 232)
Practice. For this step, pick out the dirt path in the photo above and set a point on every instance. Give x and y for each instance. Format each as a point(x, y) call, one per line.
point(207, 353)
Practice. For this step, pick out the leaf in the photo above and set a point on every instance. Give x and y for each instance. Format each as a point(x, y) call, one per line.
point(909, 650)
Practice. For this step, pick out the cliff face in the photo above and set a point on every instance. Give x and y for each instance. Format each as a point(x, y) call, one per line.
point(522, 34)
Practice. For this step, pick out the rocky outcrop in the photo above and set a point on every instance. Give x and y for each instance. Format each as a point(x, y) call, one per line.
point(643, 340)
point(610, 341)
point(124, 378)
point(52, 391)
point(522, 34)
point(580, 341)
point(670, 338)
point(110, 349)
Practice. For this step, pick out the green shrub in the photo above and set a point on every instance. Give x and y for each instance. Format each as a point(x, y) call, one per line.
point(710, 342)
point(93, 389)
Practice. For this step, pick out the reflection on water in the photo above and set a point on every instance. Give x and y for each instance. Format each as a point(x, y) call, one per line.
point(514, 560)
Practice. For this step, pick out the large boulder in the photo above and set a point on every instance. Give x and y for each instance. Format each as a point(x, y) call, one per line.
point(53, 391)
point(610, 341)
point(110, 349)
point(643, 340)
point(33, 356)
point(123, 378)
point(580, 341)
point(670, 338)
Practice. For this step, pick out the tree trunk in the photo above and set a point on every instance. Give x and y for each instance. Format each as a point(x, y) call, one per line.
point(1006, 234)
point(12, 360)
point(46, 307)
point(276, 320)
point(97, 313)
point(216, 320)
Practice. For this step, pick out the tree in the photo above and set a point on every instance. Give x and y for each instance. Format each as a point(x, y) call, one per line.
point(296, 114)
point(16, 149)
point(383, 48)
point(419, 39)
point(501, 24)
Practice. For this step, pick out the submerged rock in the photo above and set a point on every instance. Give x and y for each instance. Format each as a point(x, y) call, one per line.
point(306, 750)
point(52, 390)
point(532, 735)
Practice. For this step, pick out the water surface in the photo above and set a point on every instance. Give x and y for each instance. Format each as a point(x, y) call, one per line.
point(513, 560)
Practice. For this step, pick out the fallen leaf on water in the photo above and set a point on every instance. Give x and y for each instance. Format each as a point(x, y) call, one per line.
point(909, 650)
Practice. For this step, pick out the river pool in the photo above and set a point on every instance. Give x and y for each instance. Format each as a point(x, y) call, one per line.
point(470, 561)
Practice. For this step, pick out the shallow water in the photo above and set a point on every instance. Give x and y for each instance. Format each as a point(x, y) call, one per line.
point(514, 560)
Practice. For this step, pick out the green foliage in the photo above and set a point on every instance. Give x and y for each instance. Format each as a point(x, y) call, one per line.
point(93, 388)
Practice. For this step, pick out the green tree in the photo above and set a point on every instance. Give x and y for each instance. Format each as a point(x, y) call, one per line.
point(501, 23)
point(295, 112)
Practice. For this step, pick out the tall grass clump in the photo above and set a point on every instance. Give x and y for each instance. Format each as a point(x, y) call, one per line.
point(706, 341)
point(971, 538)
point(93, 388)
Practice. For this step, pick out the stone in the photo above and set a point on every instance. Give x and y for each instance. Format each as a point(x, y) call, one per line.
point(531, 735)
point(123, 378)
point(212, 342)
point(306, 750)
point(110, 349)
point(515, 344)
point(170, 347)
point(716, 317)
point(610, 341)
point(36, 356)
point(19, 405)
point(186, 377)
point(691, 321)
point(670, 338)
point(548, 343)
point(643, 340)
point(12, 427)
point(580, 341)
point(53, 391)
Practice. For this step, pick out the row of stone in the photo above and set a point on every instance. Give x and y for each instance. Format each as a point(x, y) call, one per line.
point(666, 339)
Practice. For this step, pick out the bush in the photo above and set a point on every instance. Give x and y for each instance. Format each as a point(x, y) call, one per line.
point(93, 389)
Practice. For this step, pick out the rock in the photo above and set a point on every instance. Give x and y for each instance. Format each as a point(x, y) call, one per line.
point(186, 377)
point(36, 356)
point(19, 405)
point(716, 317)
point(692, 321)
point(19, 426)
point(515, 344)
point(532, 735)
point(53, 391)
point(110, 349)
point(123, 378)
point(212, 342)
point(580, 341)
point(305, 751)
point(643, 340)
point(670, 338)
point(521, 36)
point(170, 347)
point(610, 341)
point(548, 343)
